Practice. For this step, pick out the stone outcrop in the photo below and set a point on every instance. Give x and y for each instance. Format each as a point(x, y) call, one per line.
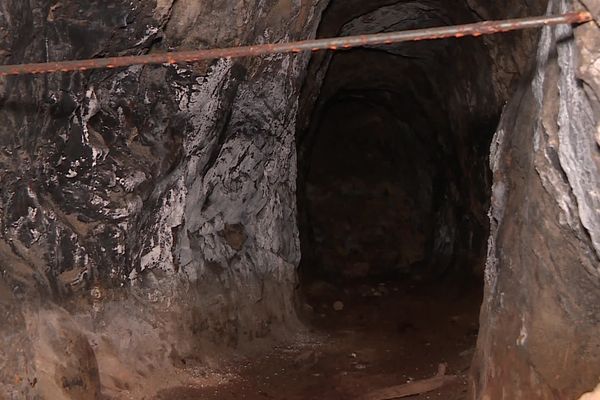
point(539, 318)
point(155, 204)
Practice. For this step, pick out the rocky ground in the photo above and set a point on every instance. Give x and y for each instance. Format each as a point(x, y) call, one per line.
point(387, 333)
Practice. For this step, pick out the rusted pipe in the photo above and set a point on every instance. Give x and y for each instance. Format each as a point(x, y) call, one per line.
point(456, 31)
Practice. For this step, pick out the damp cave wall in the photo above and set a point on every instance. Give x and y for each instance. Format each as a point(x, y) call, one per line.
point(161, 200)
point(146, 213)
point(539, 319)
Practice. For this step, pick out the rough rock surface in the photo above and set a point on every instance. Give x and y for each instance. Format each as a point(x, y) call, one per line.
point(540, 316)
point(155, 204)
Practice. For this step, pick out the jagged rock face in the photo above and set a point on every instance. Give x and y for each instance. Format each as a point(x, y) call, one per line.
point(540, 313)
point(121, 161)
point(160, 198)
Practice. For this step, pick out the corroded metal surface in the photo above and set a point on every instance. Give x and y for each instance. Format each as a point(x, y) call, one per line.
point(456, 31)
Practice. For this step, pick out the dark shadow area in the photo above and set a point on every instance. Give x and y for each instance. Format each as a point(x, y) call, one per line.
point(393, 175)
point(393, 192)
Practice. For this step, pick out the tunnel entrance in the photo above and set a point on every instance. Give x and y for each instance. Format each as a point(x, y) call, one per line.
point(369, 190)
point(393, 146)
point(394, 187)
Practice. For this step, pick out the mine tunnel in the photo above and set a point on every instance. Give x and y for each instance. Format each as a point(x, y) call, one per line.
point(394, 179)
point(411, 219)
point(394, 184)
point(393, 165)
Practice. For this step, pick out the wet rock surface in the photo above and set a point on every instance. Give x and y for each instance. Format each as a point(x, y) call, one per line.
point(540, 311)
point(154, 204)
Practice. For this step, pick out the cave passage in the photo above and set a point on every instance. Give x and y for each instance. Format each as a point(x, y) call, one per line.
point(394, 187)
point(387, 190)
point(394, 180)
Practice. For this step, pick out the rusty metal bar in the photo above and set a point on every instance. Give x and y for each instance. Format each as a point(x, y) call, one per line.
point(456, 31)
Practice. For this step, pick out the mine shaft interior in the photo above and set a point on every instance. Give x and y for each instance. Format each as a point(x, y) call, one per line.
point(394, 188)
point(416, 219)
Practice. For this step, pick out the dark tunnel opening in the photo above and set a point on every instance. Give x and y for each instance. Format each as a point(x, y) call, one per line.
point(394, 184)
point(393, 160)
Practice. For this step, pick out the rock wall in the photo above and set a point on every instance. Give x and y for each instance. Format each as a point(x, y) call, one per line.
point(539, 320)
point(150, 210)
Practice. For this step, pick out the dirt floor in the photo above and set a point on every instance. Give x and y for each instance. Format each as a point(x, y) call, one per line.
point(386, 334)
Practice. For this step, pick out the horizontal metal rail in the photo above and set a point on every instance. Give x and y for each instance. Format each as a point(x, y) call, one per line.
point(179, 57)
